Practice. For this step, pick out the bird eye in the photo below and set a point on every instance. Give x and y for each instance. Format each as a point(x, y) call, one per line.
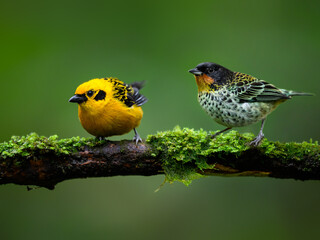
point(90, 93)
point(210, 70)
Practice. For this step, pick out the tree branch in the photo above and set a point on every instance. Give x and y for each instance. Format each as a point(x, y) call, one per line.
point(181, 154)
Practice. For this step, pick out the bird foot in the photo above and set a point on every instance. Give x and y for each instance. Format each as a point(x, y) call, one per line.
point(256, 141)
point(212, 136)
point(136, 137)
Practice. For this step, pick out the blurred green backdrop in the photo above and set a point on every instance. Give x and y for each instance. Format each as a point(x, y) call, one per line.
point(49, 47)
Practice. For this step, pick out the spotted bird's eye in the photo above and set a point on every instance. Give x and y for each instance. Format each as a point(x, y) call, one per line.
point(90, 93)
point(210, 70)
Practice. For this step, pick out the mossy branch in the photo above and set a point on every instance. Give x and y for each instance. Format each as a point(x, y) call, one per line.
point(182, 155)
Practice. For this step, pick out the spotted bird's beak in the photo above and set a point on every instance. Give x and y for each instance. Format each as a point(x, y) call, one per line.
point(195, 72)
point(78, 98)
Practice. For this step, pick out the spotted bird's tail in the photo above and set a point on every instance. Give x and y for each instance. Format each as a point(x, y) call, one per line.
point(291, 93)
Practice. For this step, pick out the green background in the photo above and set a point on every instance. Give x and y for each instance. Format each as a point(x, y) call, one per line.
point(48, 48)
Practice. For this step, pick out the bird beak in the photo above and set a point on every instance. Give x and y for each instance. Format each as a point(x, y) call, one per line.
point(78, 98)
point(195, 72)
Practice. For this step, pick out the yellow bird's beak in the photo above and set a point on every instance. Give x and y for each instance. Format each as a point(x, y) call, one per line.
point(77, 98)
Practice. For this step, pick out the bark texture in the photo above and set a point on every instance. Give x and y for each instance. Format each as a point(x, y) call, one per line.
point(46, 168)
point(112, 159)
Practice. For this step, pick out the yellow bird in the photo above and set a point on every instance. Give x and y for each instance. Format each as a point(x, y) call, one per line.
point(108, 107)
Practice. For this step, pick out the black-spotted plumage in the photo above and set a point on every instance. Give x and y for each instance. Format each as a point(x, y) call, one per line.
point(235, 99)
point(128, 93)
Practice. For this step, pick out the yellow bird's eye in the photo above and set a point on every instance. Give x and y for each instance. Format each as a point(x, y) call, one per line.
point(90, 93)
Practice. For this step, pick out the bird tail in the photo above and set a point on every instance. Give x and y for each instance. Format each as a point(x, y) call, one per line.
point(138, 85)
point(293, 93)
point(135, 95)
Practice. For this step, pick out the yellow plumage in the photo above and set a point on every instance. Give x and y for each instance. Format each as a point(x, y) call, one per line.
point(108, 106)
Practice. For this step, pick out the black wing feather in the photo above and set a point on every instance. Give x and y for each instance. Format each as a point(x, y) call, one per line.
point(134, 95)
point(138, 85)
point(259, 91)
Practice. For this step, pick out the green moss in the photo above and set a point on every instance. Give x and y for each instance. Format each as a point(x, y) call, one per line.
point(27, 145)
point(291, 151)
point(184, 152)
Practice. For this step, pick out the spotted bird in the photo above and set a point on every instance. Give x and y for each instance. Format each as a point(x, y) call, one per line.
point(108, 106)
point(235, 99)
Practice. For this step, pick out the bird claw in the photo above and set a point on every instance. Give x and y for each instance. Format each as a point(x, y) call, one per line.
point(256, 141)
point(212, 136)
point(136, 137)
